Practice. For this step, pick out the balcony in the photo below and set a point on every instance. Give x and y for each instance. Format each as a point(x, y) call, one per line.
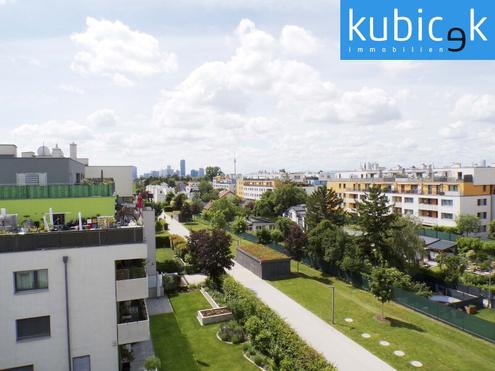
point(131, 283)
point(429, 207)
point(428, 220)
point(133, 325)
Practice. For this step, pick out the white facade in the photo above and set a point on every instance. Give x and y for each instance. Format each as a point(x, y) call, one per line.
point(93, 293)
point(159, 192)
point(122, 176)
point(225, 183)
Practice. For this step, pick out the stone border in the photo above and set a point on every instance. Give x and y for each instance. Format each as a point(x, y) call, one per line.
point(223, 341)
point(209, 299)
point(251, 361)
point(224, 317)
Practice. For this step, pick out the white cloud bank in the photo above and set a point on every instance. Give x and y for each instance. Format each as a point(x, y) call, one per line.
point(113, 50)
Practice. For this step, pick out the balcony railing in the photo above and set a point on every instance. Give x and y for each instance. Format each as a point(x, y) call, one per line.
point(69, 239)
point(133, 326)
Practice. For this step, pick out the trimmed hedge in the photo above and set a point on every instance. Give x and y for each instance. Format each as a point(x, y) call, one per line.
point(270, 334)
point(162, 241)
point(168, 266)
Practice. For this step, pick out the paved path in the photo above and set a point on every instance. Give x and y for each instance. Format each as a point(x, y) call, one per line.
point(332, 344)
point(175, 227)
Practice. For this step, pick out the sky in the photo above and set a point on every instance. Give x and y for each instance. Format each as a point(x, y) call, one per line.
point(147, 83)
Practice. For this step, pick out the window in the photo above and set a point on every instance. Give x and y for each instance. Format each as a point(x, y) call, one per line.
point(408, 200)
point(81, 363)
point(483, 229)
point(21, 368)
point(31, 280)
point(482, 202)
point(453, 188)
point(447, 216)
point(447, 202)
point(482, 215)
point(408, 212)
point(35, 327)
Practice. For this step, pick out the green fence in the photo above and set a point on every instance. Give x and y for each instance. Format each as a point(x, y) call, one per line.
point(439, 234)
point(12, 192)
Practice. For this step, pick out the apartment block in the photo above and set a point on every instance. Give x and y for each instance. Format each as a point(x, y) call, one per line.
point(436, 196)
point(70, 299)
point(224, 182)
point(253, 188)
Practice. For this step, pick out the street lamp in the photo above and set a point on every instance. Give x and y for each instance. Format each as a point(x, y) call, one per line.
point(333, 304)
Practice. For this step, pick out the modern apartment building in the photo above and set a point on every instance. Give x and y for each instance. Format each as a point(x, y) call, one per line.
point(253, 188)
point(434, 195)
point(224, 182)
point(70, 299)
point(159, 191)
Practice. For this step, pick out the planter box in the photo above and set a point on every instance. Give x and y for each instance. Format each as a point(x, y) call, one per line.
point(265, 269)
point(214, 315)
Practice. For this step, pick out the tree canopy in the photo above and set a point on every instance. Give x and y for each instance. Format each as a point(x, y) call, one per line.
point(467, 224)
point(324, 204)
point(274, 203)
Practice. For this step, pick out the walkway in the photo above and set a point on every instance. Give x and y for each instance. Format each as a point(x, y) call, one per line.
point(175, 227)
point(337, 348)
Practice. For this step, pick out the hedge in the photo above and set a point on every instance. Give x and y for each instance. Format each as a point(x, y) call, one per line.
point(162, 241)
point(270, 334)
point(168, 266)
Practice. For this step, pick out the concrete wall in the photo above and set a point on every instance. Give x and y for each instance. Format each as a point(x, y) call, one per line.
point(59, 170)
point(122, 176)
point(92, 301)
point(36, 208)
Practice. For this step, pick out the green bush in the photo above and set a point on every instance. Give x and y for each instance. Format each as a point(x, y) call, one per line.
point(171, 282)
point(162, 242)
point(169, 266)
point(277, 339)
point(159, 226)
point(152, 363)
point(233, 332)
point(259, 360)
point(264, 237)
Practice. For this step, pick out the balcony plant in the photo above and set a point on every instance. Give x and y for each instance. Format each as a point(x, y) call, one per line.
point(152, 363)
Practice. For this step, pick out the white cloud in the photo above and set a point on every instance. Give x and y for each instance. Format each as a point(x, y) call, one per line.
point(475, 107)
point(5, 2)
point(297, 40)
point(113, 50)
point(400, 67)
point(72, 89)
point(455, 130)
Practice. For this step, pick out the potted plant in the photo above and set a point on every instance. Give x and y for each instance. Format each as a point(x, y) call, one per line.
point(152, 363)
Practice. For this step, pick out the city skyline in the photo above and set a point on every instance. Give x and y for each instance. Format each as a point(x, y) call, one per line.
point(265, 81)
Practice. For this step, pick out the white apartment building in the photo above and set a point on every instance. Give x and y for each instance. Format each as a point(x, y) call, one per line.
point(70, 299)
point(222, 182)
point(436, 196)
point(159, 192)
point(123, 177)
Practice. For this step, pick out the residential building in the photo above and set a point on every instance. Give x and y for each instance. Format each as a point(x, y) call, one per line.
point(253, 188)
point(201, 172)
point(224, 182)
point(122, 177)
point(255, 223)
point(297, 214)
point(436, 196)
point(159, 192)
point(70, 299)
point(182, 168)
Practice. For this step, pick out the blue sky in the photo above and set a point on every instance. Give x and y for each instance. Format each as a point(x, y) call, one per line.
point(151, 82)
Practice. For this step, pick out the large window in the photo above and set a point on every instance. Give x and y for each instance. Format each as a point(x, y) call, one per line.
point(447, 202)
point(31, 280)
point(408, 200)
point(482, 202)
point(35, 327)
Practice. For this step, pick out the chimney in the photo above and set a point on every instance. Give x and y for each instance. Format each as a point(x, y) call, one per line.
point(73, 151)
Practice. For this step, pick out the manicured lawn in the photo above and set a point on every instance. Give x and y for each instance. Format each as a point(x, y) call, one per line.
point(487, 314)
point(183, 344)
point(164, 254)
point(197, 225)
point(437, 346)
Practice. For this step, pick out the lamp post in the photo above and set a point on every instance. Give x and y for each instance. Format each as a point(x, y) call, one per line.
point(333, 305)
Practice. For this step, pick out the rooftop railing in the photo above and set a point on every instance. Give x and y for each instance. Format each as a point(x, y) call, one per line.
point(69, 239)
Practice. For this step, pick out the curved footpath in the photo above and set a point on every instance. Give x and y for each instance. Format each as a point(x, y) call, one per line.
point(337, 348)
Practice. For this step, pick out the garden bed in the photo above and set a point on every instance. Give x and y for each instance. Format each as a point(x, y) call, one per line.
point(214, 315)
point(264, 262)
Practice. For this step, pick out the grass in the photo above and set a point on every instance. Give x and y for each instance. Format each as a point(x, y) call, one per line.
point(183, 344)
point(197, 225)
point(163, 254)
point(263, 253)
point(487, 314)
point(437, 346)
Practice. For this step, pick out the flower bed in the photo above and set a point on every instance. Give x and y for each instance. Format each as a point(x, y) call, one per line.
point(215, 315)
point(263, 261)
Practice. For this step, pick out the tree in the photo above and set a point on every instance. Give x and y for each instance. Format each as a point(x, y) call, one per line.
point(274, 203)
point(211, 251)
point(264, 206)
point(228, 206)
point(277, 236)
point(382, 285)
point(212, 172)
point(169, 197)
point(179, 201)
point(467, 223)
point(295, 243)
point(324, 204)
point(218, 220)
point(405, 245)
point(239, 225)
point(264, 237)
point(491, 229)
point(376, 221)
point(185, 213)
point(452, 266)
point(283, 224)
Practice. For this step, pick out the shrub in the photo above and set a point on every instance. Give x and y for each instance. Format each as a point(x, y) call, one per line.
point(168, 266)
point(259, 360)
point(246, 347)
point(277, 236)
point(159, 226)
point(162, 242)
point(233, 332)
point(253, 326)
point(262, 341)
point(171, 282)
point(152, 363)
point(264, 237)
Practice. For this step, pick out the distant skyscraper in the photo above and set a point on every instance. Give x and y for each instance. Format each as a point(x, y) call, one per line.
point(194, 173)
point(201, 172)
point(169, 171)
point(182, 167)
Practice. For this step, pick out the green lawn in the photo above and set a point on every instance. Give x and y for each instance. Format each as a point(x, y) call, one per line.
point(197, 225)
point(183, 344)
point(487, 314)
point(164, 254)
point(437, 346)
